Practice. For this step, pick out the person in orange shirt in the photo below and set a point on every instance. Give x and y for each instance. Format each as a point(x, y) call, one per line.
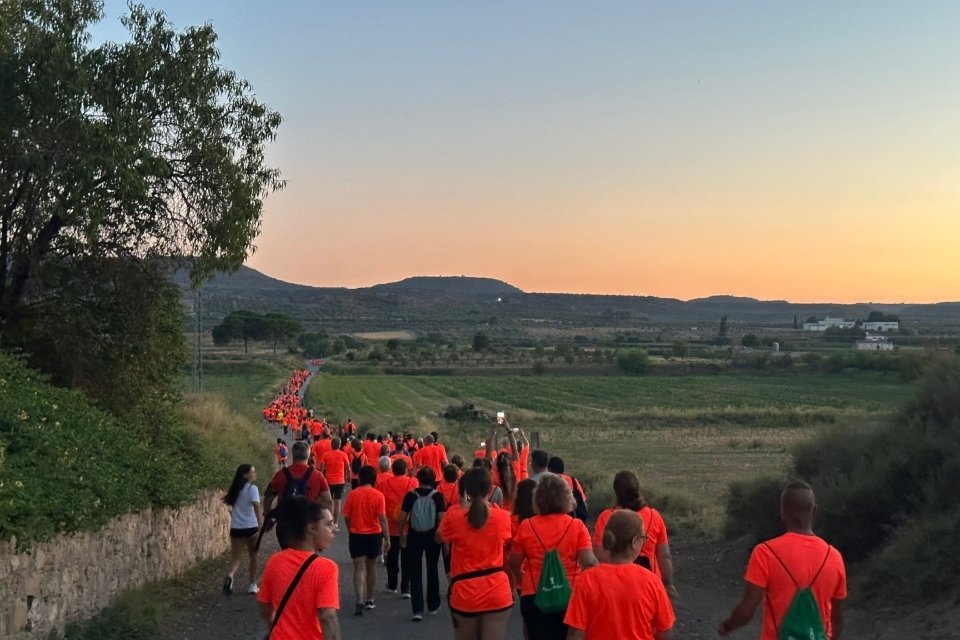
point(432, 455)
point(552, 528)
point(655, 554)
point(383, 471)
point(479, 589)
point(366, 517)
point(620, 599)
point(394, 488)
point(798, 559)
point(336, 466)
point(311, 611)
point(371, 448)
point(320, 446)
point(358, 460)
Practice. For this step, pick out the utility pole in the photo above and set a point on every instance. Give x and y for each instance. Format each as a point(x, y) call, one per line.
point(198, 342)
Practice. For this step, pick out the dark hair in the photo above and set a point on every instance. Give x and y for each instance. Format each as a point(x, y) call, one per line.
point(539, 458)
point(626, 486)
point(239, 482)
point(508, 481)
point(399, 466)
point(523, 502)
point(476, 485)
point(483, 463)
point(279, 440)
point(457, 460)
point(294, 514)
point(436, 436)
point(367, 475)
point(555, 465)
point(426, 476)
point(357, 446)
point(450, 473)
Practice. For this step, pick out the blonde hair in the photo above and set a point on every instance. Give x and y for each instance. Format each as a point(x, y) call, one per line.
point(621, 530)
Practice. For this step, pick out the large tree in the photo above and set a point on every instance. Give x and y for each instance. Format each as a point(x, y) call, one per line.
point(135, 149)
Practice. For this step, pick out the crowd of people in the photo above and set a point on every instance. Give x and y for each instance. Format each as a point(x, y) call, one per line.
point(508, 529)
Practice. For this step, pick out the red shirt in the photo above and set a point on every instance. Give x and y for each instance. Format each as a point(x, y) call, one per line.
point(318, 589)
point(803, 555)
point(600, 608)
point(315, 485)
point(432, 456)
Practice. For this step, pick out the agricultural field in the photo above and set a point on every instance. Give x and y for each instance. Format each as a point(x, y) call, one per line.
point(687, 436)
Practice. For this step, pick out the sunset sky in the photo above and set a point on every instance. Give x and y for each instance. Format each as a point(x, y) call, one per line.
point(803, 151)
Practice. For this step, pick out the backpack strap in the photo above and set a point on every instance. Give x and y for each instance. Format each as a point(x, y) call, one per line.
point(822, 565)
point(286, 596)
point(287, 475)
point(564, 535)
point(776, 627)
point(783, 564)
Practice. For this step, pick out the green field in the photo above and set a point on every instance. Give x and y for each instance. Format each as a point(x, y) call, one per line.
point(687, 436)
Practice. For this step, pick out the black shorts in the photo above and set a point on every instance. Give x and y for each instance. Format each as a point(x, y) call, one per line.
point(244, 533)
point(366, 545)
point(354, 483)
point(336, 490)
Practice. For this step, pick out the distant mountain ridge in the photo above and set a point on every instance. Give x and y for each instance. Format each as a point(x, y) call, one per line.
point(441, 303)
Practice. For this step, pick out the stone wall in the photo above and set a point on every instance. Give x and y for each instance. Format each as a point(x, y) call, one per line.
point(72, 577)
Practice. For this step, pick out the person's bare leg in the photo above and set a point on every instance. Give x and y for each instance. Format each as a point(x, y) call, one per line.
point(252, 552)
point(465, 628)
point(336, 513)
point(371, 566)
point(359, 577)
point(493, 626)
point(237, 547)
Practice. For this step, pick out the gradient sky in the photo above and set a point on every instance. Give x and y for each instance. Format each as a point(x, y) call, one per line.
point(807, 151)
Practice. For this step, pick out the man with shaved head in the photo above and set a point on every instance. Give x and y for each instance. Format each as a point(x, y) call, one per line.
point(782, 567)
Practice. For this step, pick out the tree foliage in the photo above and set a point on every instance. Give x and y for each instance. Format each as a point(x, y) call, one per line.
point(247, 325)
point(633, 361)
point(481, 342)
point(134, 149)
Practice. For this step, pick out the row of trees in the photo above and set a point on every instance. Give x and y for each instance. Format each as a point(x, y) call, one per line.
point(247, 325)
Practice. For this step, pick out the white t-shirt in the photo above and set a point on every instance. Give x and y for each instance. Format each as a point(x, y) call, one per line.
point(242, 516)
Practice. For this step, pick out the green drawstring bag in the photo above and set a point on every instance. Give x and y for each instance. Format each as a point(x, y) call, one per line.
point(553, 590)
point(802, 621)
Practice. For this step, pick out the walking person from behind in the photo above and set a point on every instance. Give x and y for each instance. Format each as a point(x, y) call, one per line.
point(297, 480)
point(479, 591)
point(422, 510)
point(246, 518)
point(365, 515)
point(552, 534)
point(310, 610)
point(619, 598)
point(799, 578)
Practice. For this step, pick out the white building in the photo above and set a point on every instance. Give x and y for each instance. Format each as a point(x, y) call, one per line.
point(874, 343)
point(881, 326)
point(827, 323)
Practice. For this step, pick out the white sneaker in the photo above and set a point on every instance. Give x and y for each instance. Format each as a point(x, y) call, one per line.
point(417, 617)
point(253, 588)
point(433, 612)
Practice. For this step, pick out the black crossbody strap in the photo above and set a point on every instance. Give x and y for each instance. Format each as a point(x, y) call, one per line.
point(293, 585)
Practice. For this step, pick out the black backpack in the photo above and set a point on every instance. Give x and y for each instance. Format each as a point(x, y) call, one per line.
point(296, 487)
point(580, 511)
point(356, 464)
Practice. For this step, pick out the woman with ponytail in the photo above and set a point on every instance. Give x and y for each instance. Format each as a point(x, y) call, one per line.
point(619, 599)
point(246, 518)
point(655, 554)
point(479, 593)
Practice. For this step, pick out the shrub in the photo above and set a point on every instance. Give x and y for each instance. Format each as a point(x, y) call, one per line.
point(632, 361)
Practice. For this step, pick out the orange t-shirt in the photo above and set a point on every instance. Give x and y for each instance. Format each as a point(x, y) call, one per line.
point(450, 492)
point(803, 555)
point(363, 507)
point(393, 490)
point(537, 535)
point(475, 550)
point(335, 465)
point(524, 460)
point(653, 526)
point(371, 449)
point(432, 456)
point(318, 589)
point(319, 448)
point(599, 609)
